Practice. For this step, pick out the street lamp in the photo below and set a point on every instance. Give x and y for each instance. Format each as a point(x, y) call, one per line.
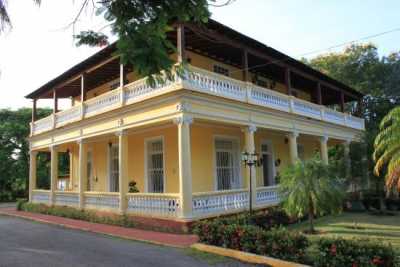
point(250, 160)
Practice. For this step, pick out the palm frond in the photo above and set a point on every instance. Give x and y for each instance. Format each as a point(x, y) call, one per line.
point(4, 17)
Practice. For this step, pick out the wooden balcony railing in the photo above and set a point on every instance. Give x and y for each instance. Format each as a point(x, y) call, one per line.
point(200, 80)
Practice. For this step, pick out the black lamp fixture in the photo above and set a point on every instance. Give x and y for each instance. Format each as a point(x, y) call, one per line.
point(251, 159)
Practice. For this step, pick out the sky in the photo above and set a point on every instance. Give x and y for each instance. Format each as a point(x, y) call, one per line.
point(40, 45)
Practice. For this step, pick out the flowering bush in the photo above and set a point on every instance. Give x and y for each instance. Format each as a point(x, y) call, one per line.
point(276, 242)
point(354, 253)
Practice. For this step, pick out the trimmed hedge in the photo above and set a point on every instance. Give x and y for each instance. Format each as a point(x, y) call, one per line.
point(354, 253)
point(72, 213)
point(276, 242)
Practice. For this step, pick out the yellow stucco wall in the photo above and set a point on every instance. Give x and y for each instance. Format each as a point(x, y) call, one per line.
point(202, 151)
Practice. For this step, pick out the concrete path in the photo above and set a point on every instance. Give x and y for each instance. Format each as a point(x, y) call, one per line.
point(27, 243)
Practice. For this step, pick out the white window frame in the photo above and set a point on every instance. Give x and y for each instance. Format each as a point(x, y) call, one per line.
point(109, 165)
point(146, 175)
point(238, 154)
point(271, 152)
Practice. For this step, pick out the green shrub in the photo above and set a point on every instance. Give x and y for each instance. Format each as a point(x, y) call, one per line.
point(73, 213)
point(275, 242)
point(20, 203)
point(355, 252)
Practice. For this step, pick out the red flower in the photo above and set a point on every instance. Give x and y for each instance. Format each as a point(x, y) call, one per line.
point(377, 261)
point(333, 250)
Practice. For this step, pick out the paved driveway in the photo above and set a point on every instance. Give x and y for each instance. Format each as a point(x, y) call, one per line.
point(26, 243)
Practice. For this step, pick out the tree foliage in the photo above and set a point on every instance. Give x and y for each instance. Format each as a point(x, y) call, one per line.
point(361, 67)
point(311, 188)
point(14, 151)
point(387, 148)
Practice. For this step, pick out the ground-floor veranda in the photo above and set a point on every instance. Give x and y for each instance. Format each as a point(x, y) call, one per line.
point(183, 169)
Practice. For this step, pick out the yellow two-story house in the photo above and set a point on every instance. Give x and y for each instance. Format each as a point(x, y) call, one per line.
point(181, 141)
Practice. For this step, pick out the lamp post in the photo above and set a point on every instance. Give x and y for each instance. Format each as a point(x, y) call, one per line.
point(250, 160)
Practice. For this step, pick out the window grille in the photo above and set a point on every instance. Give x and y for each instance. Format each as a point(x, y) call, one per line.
point(114, 168)
point(155, 166)
point(227, 164)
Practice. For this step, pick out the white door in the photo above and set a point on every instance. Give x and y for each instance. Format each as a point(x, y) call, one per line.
point(227, 164)
point(113, 168)
point(155, 165)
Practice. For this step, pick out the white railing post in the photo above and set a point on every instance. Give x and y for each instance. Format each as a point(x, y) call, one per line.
point(291, 104)
point(322, 113)
point(248, 92)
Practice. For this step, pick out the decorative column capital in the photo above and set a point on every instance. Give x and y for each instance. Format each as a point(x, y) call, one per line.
point(121, 133)
point(184, 119)
point(183, 107)
point(293, 134)
point(324, 138)
point(251, 128)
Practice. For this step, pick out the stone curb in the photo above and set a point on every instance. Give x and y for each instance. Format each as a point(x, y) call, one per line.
point(245, 256)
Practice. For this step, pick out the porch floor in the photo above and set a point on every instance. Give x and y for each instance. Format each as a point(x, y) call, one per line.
point(169, 239)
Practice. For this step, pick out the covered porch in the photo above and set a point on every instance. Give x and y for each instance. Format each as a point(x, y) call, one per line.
point(184, 169)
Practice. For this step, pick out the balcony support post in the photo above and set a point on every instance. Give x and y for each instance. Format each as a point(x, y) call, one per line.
point(293, 152)
point(250, 148)
point(121, 83)
point(185, 166)
point(55, 101)
point(53, 172)
point(319, 94)
point(32, 173)
point(82, 172)
point(342, 101)
point(181, 43)
point(123, 170)
point(83, 95)
point(245, 65)
point(288, 81)
point(324, 149)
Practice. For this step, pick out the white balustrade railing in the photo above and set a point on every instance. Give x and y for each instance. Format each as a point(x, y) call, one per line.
point(41, 196)
point(42, 125)
point(355, 122)
point(103, 102)
point(306, 109)
point(66, 198)
point(68, 115)
point(165, 205)
point(209, 203)
point(140, 89)
point(267, 196)
point(213, 83)
point(269, 98)
point(203, 81)
point(333, 116)
point(101, 200)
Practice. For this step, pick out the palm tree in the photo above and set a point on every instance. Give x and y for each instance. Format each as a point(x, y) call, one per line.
point(311, 188)
point(387, 148)
point(5, 20)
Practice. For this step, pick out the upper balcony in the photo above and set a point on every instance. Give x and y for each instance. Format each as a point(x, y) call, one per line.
point(235, 67)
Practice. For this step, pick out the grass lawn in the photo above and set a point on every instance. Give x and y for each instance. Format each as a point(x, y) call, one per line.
point(361, 225)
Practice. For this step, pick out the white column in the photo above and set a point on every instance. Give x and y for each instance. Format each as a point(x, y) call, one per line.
point(324, 149)
point(347, 159)
point(32, 172)
point(251, 148)
point(123, 170)
point(82, 172)
point(53, 173)
point(185, 165)
point(121, 83)
point(293, 153)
